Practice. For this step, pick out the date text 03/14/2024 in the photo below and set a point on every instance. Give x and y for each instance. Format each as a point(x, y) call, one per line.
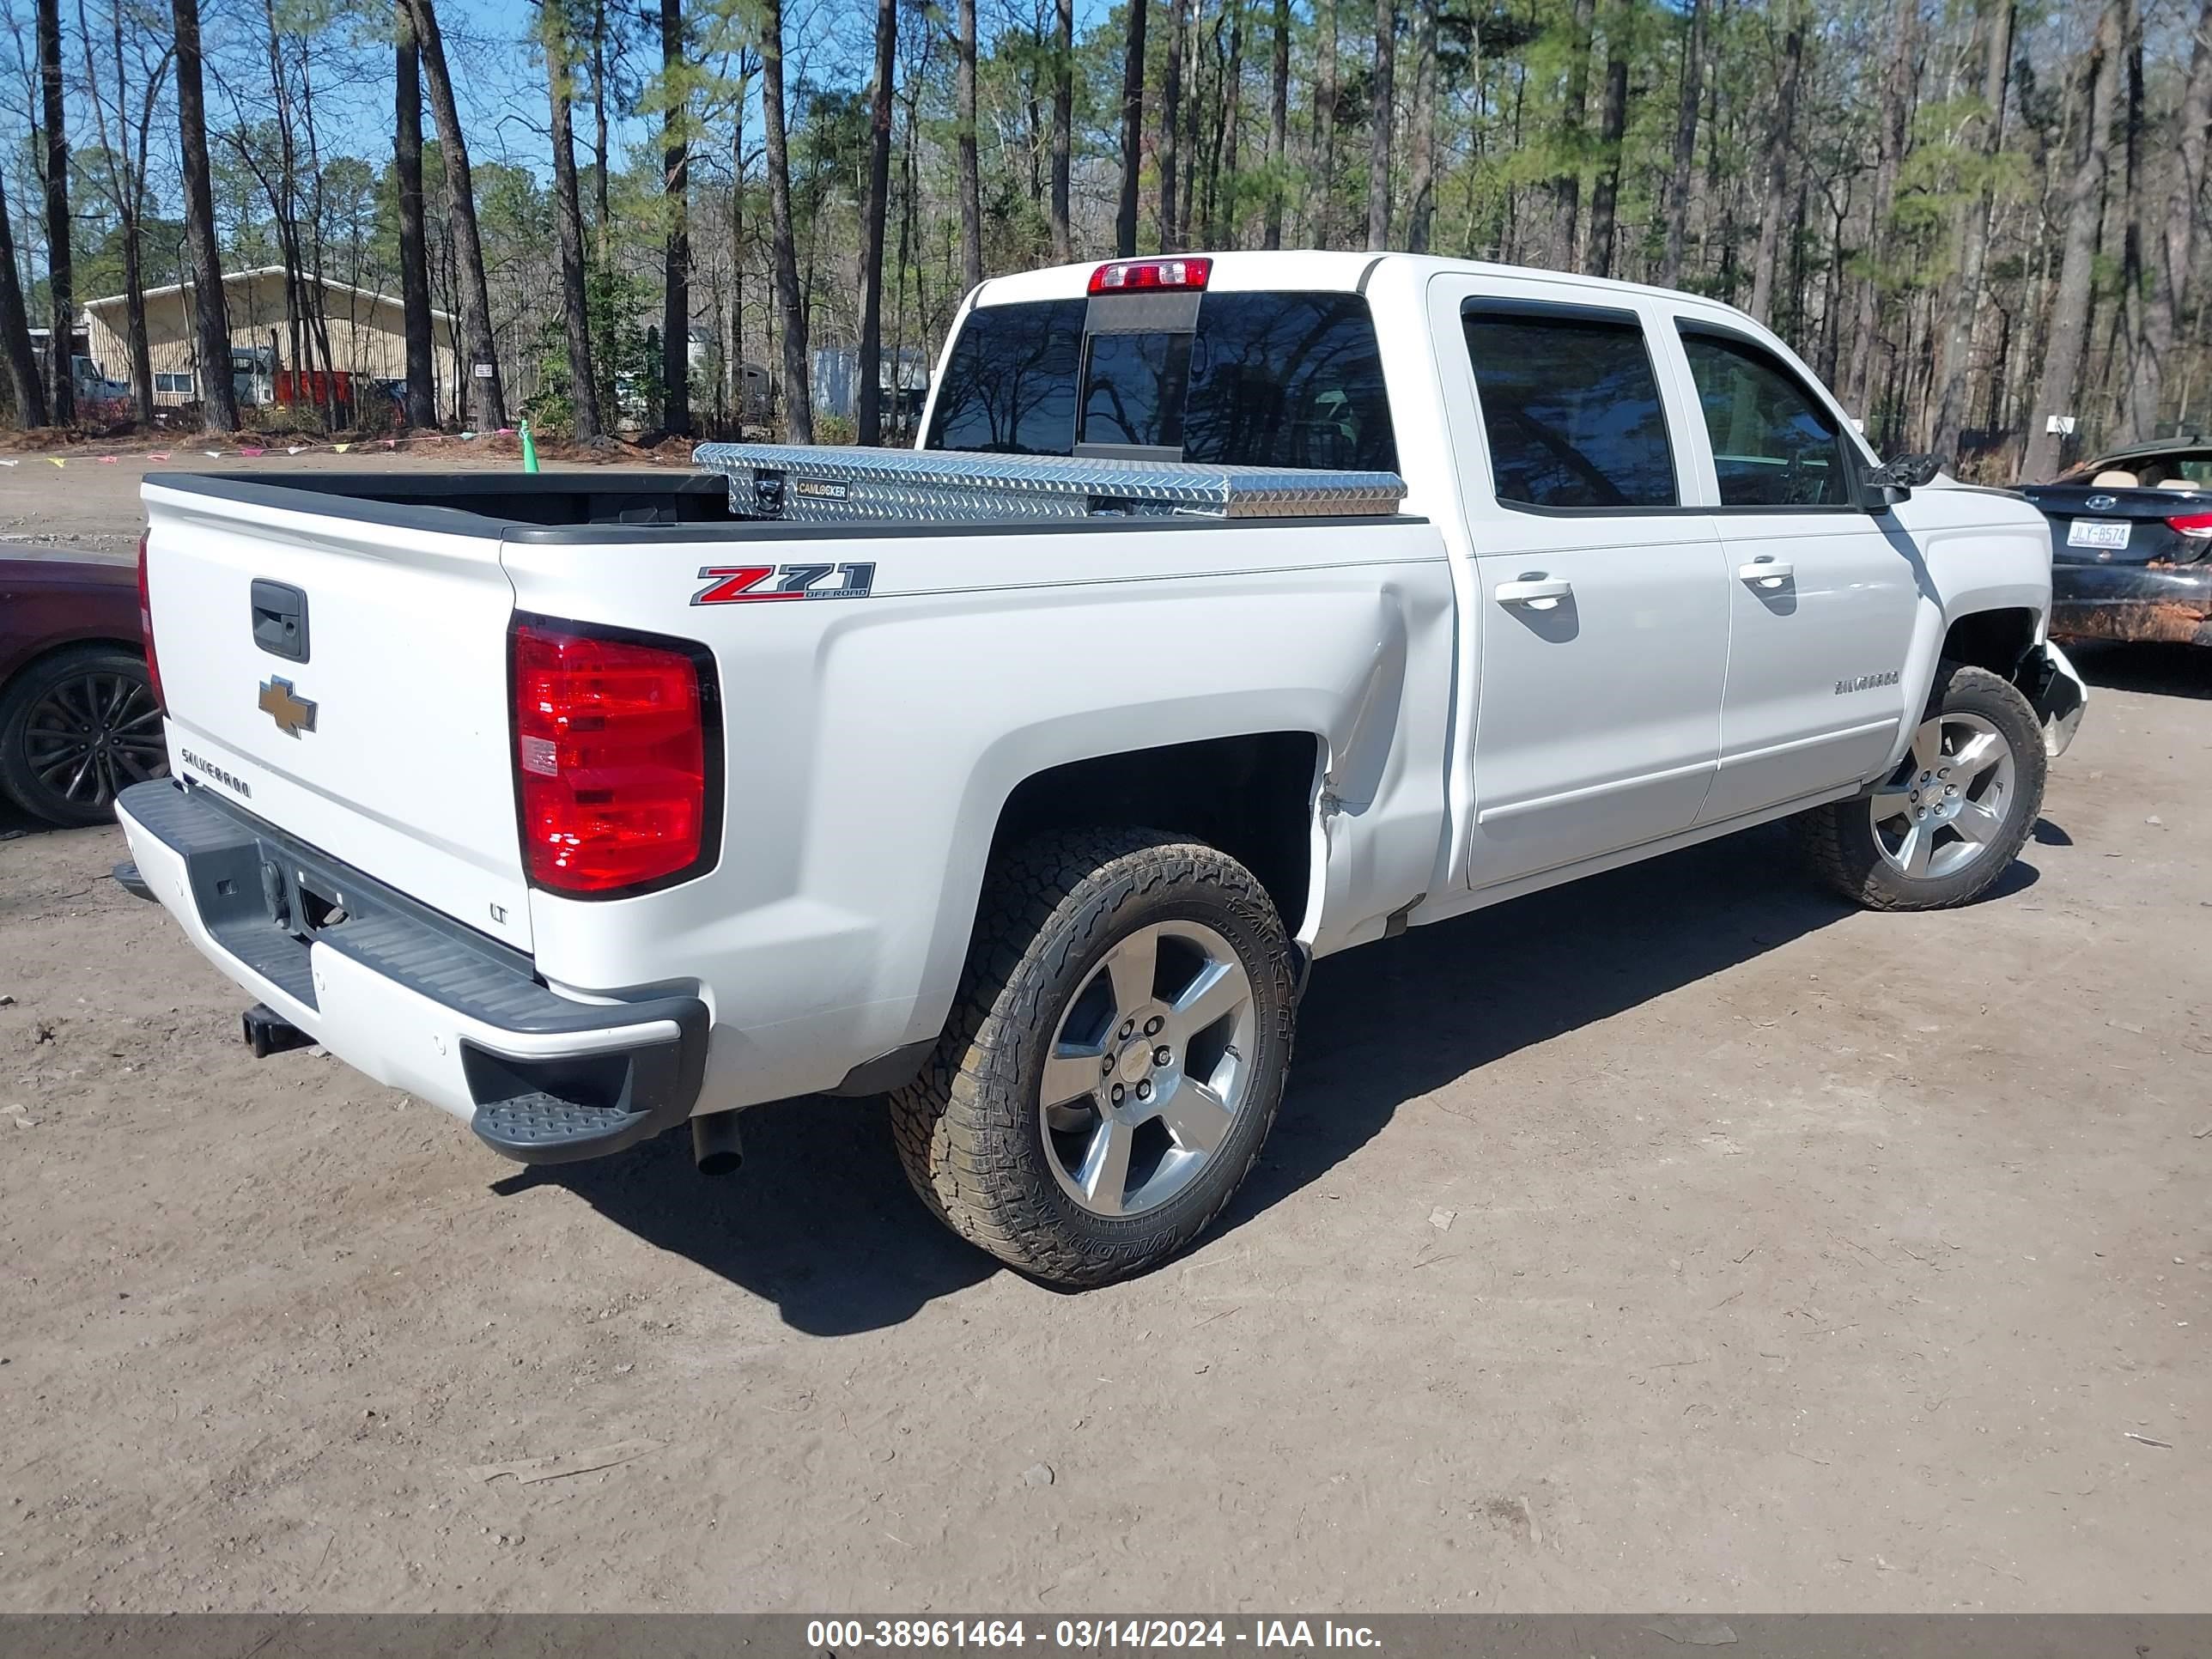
point(1086, 1634)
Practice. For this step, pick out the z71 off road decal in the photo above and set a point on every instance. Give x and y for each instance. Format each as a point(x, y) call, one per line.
point(748, 583)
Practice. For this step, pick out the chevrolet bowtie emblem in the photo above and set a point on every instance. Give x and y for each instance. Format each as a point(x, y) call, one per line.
point(292, 712)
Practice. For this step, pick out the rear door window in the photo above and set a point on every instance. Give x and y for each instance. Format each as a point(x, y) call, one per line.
point(1572, 408)
point(1774, 443)
point(1010, 387)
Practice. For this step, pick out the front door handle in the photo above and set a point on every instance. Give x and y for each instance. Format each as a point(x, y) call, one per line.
point(1540, 591)
point(1766, 571)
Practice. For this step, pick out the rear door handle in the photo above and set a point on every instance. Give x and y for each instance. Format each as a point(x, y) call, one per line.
point(1767, 572)
point(1542, 591)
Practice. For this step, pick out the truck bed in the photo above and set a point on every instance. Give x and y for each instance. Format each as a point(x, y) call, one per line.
point(762, 486)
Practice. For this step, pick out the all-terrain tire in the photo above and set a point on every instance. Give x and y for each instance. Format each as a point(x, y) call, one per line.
point(1838, 840)
point(969, 1129)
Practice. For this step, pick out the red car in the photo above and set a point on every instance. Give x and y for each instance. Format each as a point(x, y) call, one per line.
point(79, 717)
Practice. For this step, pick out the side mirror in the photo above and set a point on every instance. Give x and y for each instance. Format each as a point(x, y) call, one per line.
point(1905, 472)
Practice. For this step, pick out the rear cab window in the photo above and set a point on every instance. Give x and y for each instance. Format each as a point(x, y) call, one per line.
point(1259, 379)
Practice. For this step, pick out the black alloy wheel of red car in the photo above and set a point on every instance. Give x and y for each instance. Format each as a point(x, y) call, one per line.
point(77, 729)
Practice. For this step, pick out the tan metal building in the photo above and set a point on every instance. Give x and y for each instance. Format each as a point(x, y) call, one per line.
point(367, 339)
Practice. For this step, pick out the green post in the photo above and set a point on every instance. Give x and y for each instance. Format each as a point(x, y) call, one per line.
point(529, 448)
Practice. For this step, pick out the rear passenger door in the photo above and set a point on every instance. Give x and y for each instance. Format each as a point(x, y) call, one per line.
point(1601, 601)
point(1821, 592)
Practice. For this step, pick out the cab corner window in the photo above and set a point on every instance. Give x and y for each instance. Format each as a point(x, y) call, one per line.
point(1571, 408)
point(1774, 445)
point(1010, 387)
point(1288, 379)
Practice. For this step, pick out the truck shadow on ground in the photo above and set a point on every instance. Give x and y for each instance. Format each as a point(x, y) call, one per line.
point(2157, 670)
point(821, 1220)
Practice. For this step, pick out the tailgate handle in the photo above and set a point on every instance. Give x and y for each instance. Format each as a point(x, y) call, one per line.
point(280, 619)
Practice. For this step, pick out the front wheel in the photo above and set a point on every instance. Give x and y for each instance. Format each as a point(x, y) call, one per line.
point(1952, 816)
point(1114, 1059)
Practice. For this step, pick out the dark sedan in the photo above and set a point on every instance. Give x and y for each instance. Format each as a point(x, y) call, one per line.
point(2131, 544)
point(79, 715)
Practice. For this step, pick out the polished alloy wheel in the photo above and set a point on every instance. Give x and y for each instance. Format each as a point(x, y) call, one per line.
point(1946, 805)
point(93, 735)
point(1148, 1069)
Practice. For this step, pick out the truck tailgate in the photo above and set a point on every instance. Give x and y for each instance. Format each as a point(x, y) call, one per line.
point(385, 741)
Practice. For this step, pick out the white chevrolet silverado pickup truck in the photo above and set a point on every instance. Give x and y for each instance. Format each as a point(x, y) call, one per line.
point(1230, 612)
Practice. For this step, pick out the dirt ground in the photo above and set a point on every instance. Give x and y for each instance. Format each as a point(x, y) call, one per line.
point(89, 507)
point(1676, 1240)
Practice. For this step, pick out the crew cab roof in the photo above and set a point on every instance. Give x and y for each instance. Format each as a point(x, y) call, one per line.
point(1304, 270)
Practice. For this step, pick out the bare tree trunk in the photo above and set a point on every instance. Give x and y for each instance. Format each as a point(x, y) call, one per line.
point(15, 327)
point(791, 309)
point(1325, 92)
point(1686, 147)
point(61, 396)
point(1574, 116)
point(1222, 229)
point(1378, 126)
point(1172, 120)
point(2171, 248)
point(1972, 227)
point(218, 399)
point(600, 181)
point(125, 175)
point(569, 223)
point(2067, 330)
point(1278, 124)
point(1063, 123)
point(1869, 341)
point(489, 403)
point(877, 206)
point(1774, 211)
point(1612, 123)
point(1133, 132)
point(422, 396)
point(676, 257)
point(971, 189)
point(1420, 208)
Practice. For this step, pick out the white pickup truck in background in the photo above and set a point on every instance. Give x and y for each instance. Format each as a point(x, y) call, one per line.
point(1021, 778)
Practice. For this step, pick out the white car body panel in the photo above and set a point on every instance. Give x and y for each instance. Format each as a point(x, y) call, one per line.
point(1465, 749)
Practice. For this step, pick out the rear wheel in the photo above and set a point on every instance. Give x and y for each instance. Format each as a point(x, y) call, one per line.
point(1952, 816)
point(75, 730)
point(1114, 1060)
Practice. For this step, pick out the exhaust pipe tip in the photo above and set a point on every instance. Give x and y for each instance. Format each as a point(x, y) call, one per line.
point(716, 1148)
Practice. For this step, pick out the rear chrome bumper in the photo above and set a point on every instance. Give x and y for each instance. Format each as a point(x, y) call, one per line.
point(408, 996)
point(2133, 602)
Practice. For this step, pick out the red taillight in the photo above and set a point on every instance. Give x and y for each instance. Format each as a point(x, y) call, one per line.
point(2195, 525)
point(146, 629)
point(612, 759)
point(1150, 275)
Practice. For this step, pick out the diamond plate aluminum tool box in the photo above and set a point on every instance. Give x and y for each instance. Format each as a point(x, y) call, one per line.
point(831, 485)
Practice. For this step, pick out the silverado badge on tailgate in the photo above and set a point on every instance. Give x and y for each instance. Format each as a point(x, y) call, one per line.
point(293, 714)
